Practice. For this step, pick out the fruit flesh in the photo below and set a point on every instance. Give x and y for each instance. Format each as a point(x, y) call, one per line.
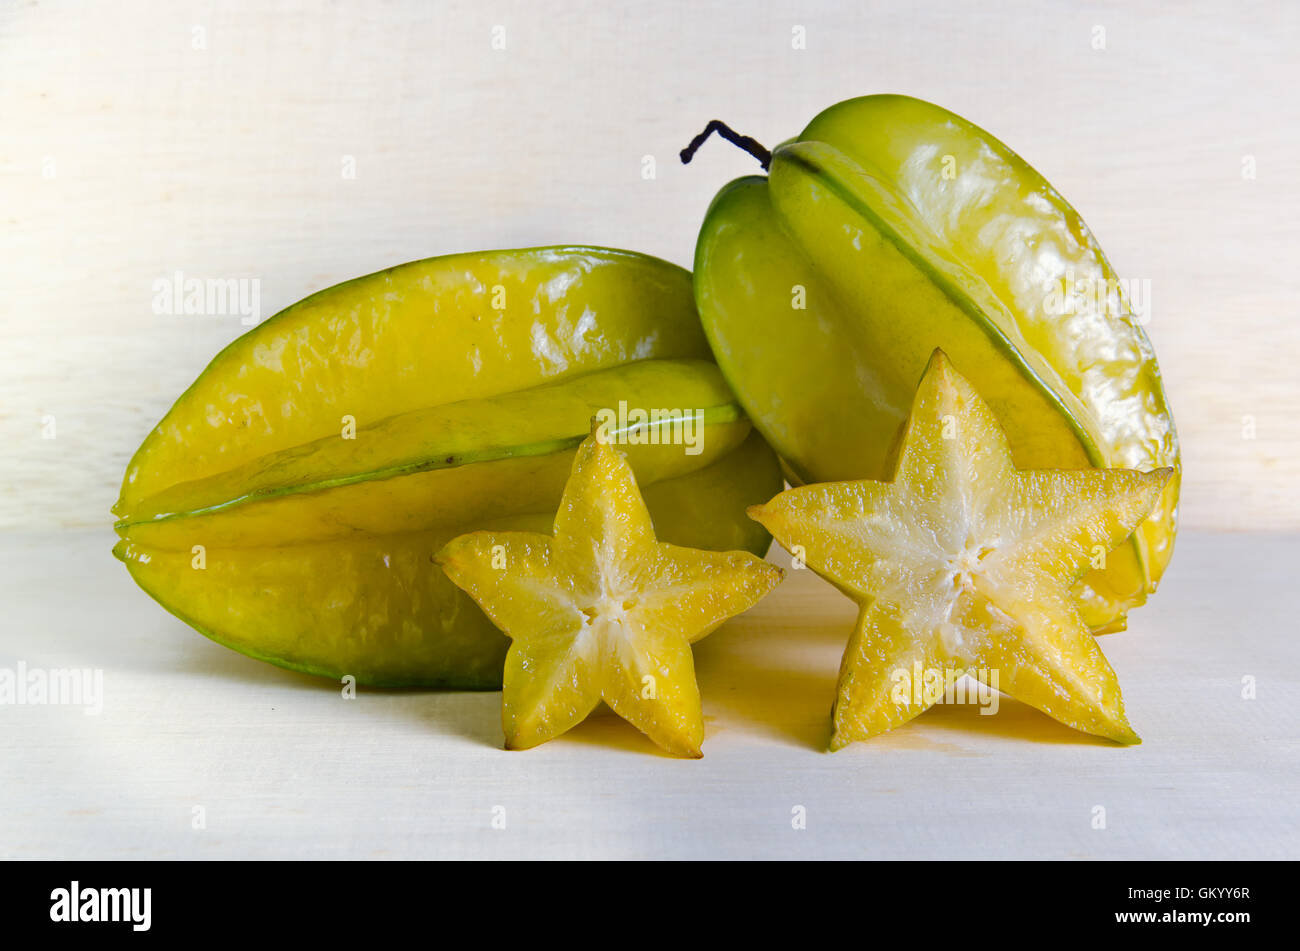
point(602, 610)
point(895, 256)
point(962, 564)
point(471, 381)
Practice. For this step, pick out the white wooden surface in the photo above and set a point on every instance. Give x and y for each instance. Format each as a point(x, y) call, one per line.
point(143, 137)
point(283, 766)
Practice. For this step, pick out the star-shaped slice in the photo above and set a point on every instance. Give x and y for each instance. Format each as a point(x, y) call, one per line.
point(601, 610)
point(963, 564)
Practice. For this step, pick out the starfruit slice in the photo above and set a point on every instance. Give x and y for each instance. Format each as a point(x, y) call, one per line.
point(889, 227)
point(601, 610)
point(963, 565)
point(290, 503)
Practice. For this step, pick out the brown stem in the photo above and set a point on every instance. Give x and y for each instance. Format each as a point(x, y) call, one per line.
point(744, 142)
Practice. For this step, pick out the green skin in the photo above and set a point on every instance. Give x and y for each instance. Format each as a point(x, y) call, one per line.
point(891, 227)
point(316, 551)
point(378, 608)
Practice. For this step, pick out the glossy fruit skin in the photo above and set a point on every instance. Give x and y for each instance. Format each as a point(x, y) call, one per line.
point(417, 335)
point(824, 287)
point(464, 376)
point(451, 464)
point(377, 607)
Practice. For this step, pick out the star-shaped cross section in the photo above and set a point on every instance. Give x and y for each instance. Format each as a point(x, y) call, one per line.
point(602, 610)
point(963, 564)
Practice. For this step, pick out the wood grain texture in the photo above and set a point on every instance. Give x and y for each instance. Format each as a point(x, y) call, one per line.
point(283, 766)
point(144, 138)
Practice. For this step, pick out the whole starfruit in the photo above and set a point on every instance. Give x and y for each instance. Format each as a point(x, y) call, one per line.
point(291, 502)
point(891, 227)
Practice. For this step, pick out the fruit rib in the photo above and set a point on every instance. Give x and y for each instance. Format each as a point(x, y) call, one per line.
point(449, 464)
point(466, 326)
point(989, 219)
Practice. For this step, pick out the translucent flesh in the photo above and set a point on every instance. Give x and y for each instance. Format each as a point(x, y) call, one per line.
point(603, 611)
point(963, 563)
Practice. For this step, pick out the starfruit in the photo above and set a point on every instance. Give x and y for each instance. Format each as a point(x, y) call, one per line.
point(962, 564)
point(890, 227)
point(290, 503)
point(601, 610)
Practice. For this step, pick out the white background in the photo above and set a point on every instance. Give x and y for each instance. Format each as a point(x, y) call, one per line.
point(142, 138)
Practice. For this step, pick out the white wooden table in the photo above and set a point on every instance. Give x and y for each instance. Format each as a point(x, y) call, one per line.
point(282, 766)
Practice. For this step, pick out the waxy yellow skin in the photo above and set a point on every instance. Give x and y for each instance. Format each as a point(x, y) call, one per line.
point(290, 504)
point(427, 333)
point(600, 610)
point(890, 227)
point(964, 564)
point(449, 464)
